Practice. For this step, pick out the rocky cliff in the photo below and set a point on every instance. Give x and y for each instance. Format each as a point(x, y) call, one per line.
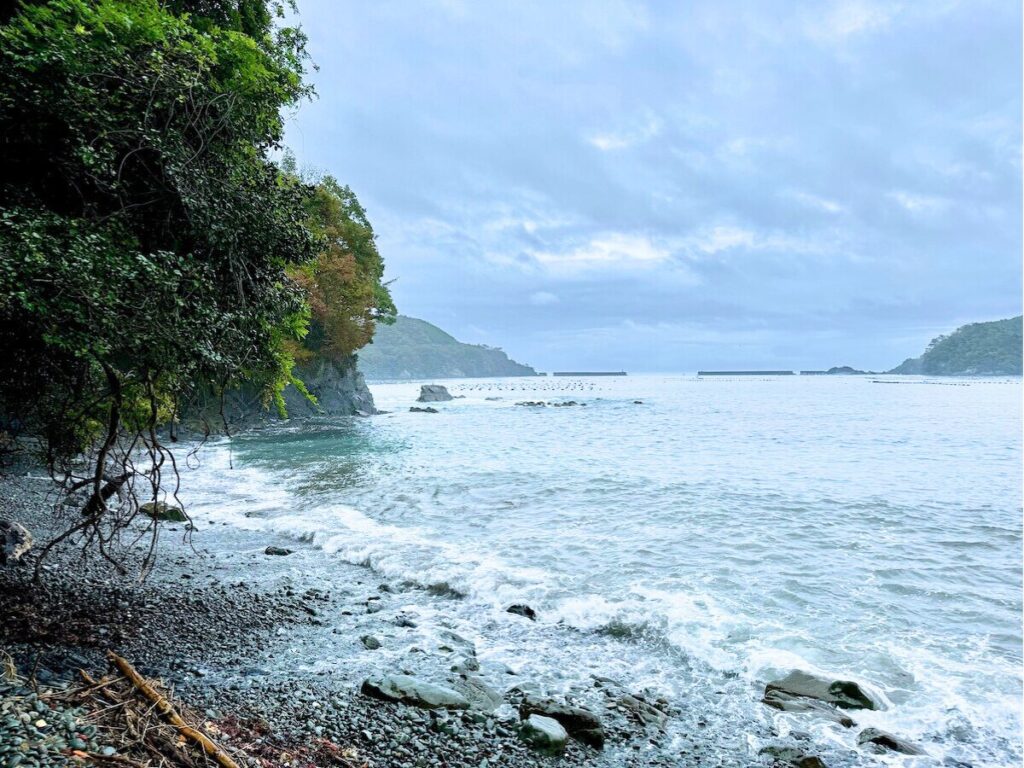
point(339, 388)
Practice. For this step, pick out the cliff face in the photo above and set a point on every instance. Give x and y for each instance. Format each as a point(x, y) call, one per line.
point(978, 349)
point(415, 349)
point(339, 388)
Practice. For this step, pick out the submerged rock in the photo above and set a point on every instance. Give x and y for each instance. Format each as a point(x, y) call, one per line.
point(544, 734)
point(582, 724)
point(888, 741)
point(408, 690)
point(433, 393)
point(161, 510)
point(845, 694)
point(280, 551)
point(15, 541)
point(428, 409)
point(521, 609)
point(370, 642)
point(787, 702)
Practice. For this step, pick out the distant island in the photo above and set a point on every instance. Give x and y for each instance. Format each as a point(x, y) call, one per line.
point(415, 349)
point(978, 349)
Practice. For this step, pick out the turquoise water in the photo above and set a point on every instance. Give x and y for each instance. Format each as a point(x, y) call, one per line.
point(719, 534)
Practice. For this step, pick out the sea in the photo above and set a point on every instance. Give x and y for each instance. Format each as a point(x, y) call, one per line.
point(692, 537)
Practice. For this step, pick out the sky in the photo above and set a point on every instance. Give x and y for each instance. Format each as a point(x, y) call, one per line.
point(672, 186)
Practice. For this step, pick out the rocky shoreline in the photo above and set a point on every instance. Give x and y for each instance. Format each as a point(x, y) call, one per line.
point(246, 634)
point(233, 650)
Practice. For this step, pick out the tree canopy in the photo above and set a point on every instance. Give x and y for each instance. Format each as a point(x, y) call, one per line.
point(150, 244)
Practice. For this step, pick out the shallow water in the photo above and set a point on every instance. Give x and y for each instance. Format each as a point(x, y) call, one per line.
point(719, 534)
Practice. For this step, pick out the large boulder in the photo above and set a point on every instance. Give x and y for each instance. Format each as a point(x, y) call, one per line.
point(433, 393)
point(544, 734)
point(844, 694)
point(408, 690)
point(161, 510)
point(789, 703)
point(15, 541)
point(886, 740)
point(582, 724)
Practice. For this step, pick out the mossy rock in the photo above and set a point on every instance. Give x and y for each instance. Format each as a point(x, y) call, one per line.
point(161, 510)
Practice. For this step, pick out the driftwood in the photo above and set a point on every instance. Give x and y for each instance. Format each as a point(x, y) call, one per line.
point(168, 711)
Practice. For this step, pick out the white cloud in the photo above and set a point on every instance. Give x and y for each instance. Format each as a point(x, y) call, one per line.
point(610, 249)
point(725, 238)
point(819, 203)
point(849, 18)
point(543, 299)
point(923, 205)
point(607, 142)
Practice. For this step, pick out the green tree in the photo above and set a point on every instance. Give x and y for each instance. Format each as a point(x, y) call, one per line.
point(345, 282)
point(145, 235)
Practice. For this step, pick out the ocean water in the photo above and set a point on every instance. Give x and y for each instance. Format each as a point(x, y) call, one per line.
point(715, 535)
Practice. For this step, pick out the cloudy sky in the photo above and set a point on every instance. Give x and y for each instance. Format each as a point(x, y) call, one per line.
point(680, 185)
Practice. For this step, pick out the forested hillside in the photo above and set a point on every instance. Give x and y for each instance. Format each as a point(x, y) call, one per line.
point(415, 349)
point(978, 349)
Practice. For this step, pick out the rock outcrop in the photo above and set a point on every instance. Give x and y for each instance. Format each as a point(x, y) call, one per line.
point(433, 393)
point(339, 389)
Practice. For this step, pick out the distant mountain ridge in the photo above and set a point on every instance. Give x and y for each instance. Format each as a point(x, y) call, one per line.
point(416, 349)
point(977, 349)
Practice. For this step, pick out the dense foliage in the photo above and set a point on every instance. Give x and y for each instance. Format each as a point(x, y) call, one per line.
point(976, 349)
point(415, 349)
point(344, 283)
point(148, 242)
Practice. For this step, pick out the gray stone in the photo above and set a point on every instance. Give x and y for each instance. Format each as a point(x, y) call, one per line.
point(408, 690)
point(888, 741)
point(479, 694)
point(433, 393)
point(648, 714)
point(280, 551)
point(370, 642)
point(428, 409)
point(161, 510)
point(789, 703)
point(582, 724)
point(521, 609)
point(845, 694)
point(791, 757)
point(544, 734)
point(15, 541)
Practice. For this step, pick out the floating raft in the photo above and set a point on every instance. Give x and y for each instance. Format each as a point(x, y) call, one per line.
point(745, 373)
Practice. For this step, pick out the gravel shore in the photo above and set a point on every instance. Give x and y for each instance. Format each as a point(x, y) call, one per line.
point(236, 634)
